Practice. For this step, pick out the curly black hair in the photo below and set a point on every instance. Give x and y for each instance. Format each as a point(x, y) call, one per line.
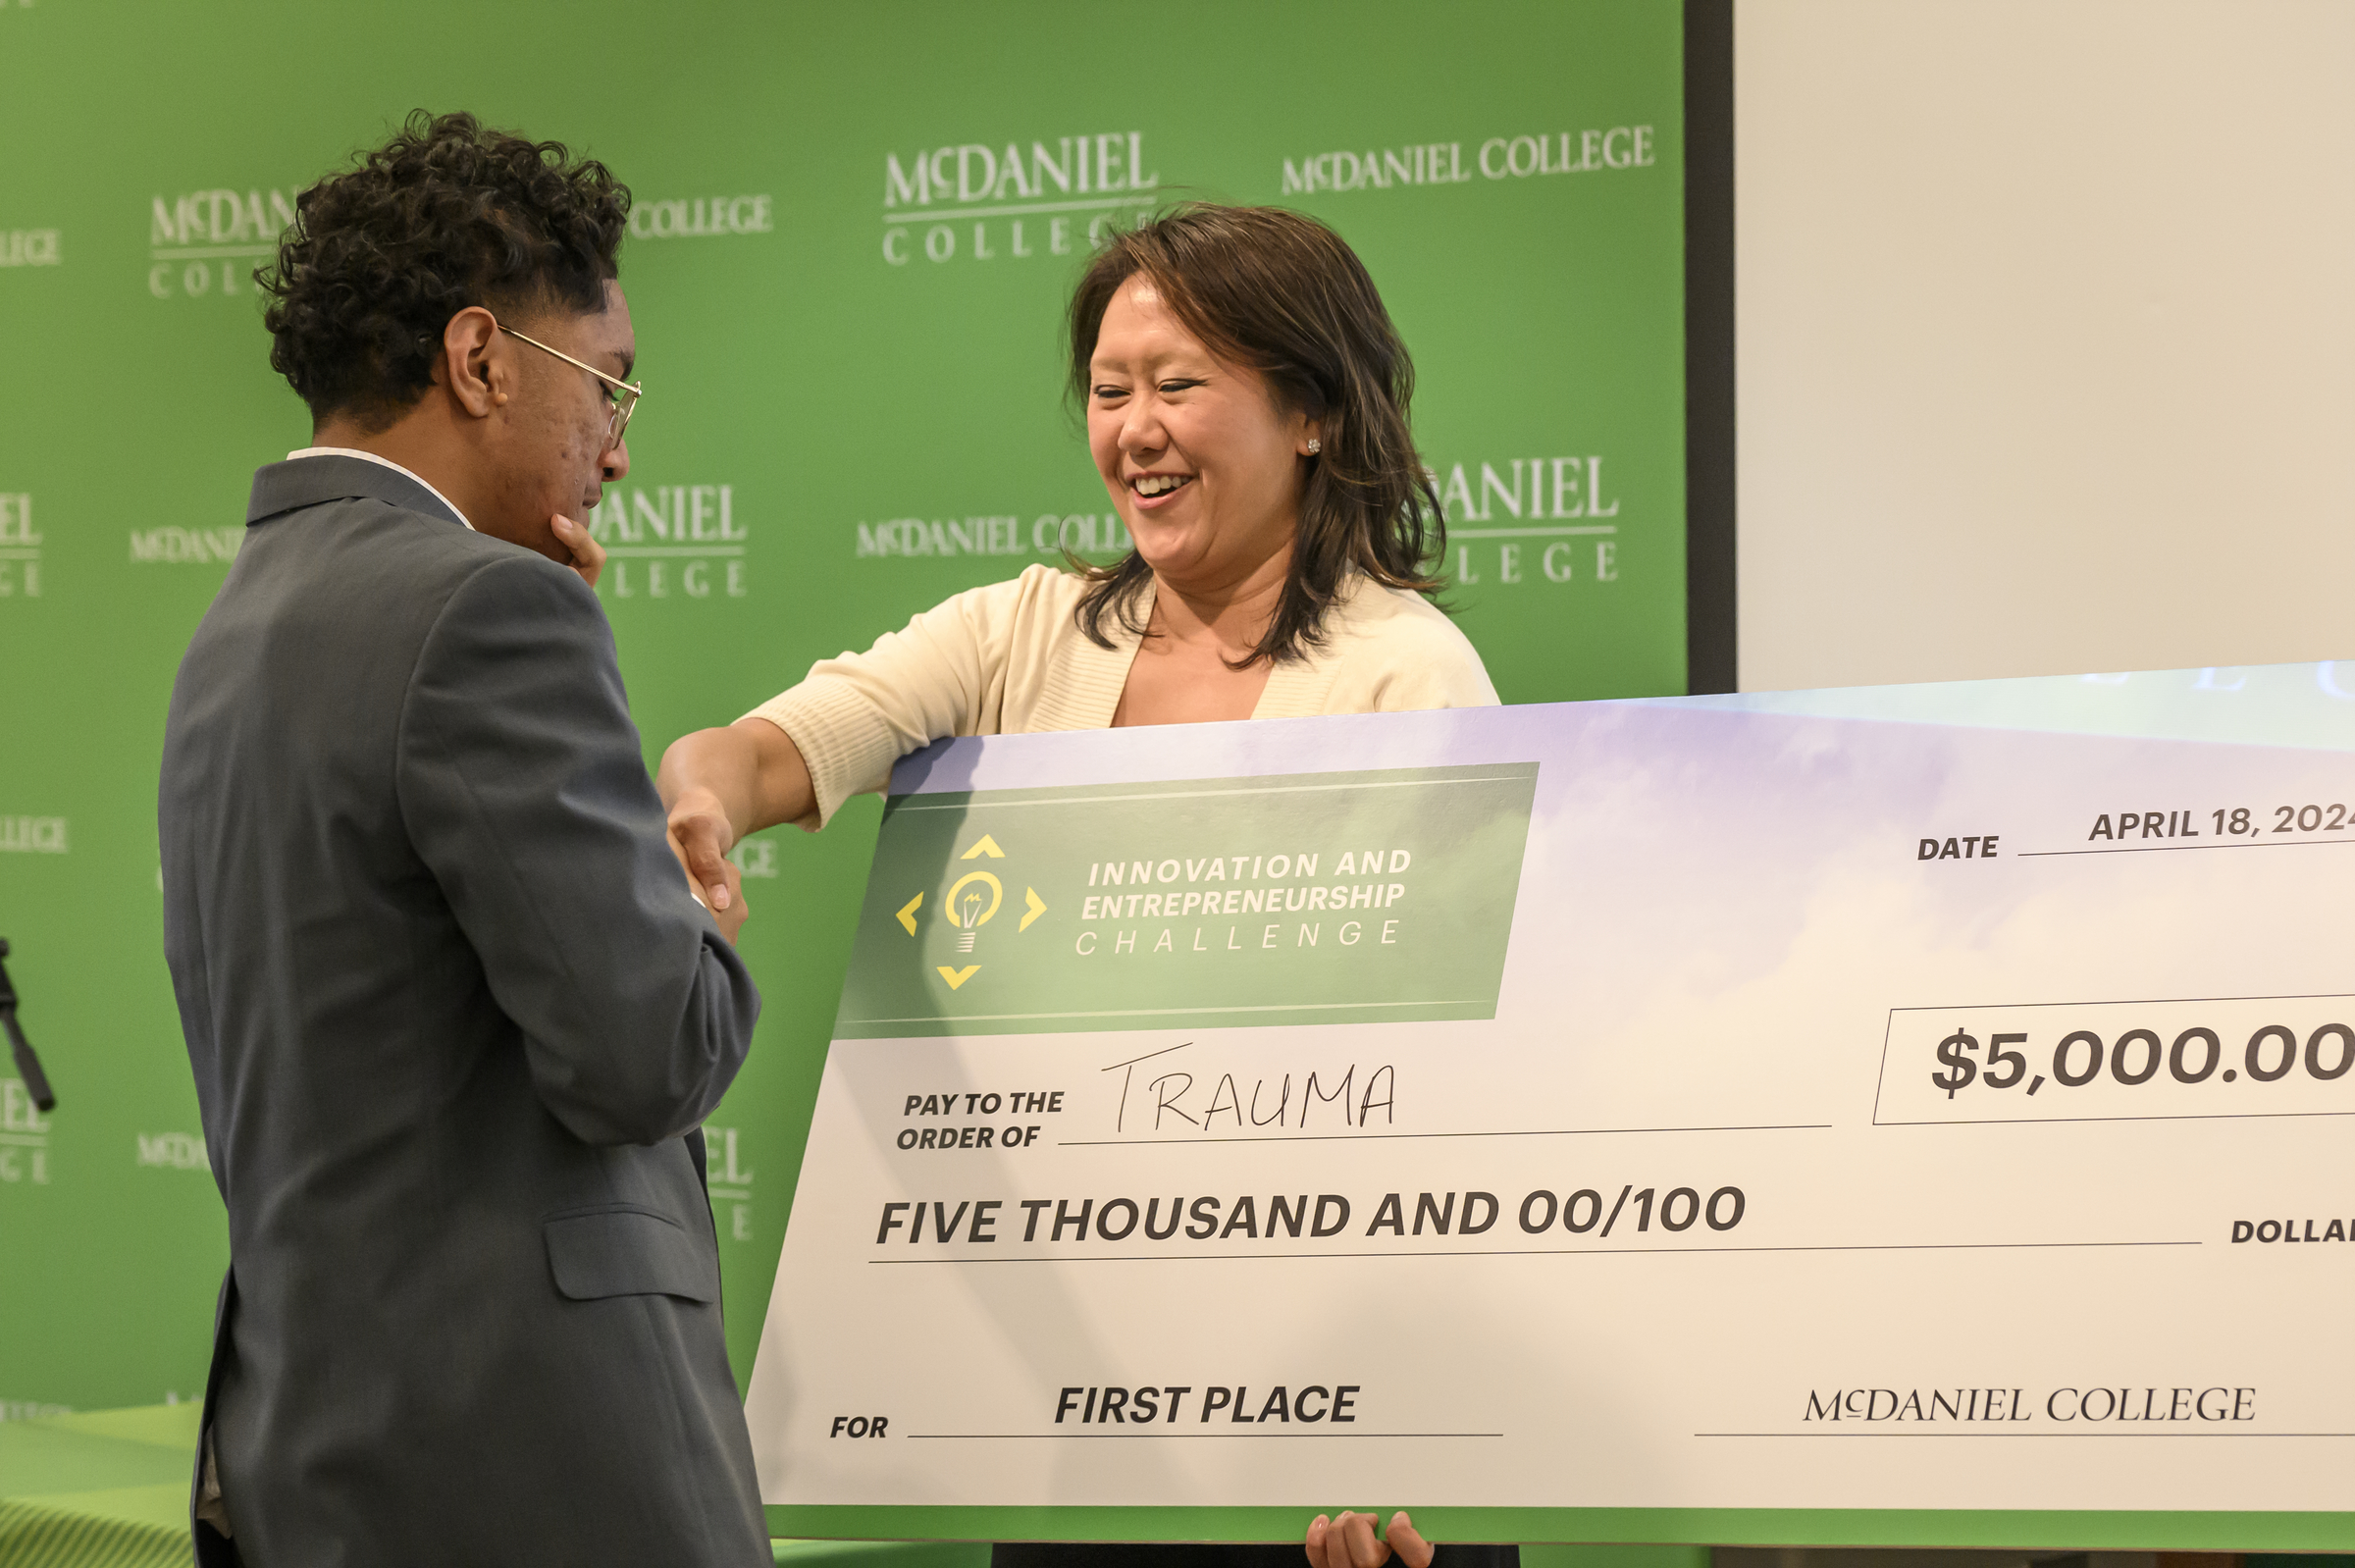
point(446, 215)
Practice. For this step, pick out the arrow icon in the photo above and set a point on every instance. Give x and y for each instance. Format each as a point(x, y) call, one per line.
point(1037, 909)
point(957, 978)
point(988, 846)
point(906, 916)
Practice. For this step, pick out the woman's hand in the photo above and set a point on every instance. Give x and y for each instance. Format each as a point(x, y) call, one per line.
point(1349, 1542)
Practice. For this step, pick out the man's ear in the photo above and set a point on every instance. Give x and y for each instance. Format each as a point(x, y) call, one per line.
point(476, 365)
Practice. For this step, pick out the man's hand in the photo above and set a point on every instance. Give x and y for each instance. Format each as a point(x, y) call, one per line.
point(750, 763)
point(1349, 1542)
point(701, 836)
point(724, 895)
point(730, 920)
point(587, 555)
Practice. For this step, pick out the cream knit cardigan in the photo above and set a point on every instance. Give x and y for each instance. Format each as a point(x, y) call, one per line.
point(1009, 660)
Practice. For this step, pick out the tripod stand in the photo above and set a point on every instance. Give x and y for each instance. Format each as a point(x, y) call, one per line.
point(28, 1065)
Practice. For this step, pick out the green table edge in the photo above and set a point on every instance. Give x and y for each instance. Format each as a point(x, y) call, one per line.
point(975, 1554)
point(895, 1553)
point(161, 1506)
point(2023, 1529)
point(38, 1530)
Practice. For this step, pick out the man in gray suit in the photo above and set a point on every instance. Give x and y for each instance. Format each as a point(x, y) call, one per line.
point(454, 1014)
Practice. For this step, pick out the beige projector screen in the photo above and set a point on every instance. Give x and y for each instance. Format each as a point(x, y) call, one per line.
point(2046, 335)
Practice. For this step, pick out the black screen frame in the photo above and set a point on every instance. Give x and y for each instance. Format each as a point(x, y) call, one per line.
point(1711, 647)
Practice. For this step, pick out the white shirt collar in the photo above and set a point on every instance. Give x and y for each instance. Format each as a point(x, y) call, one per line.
point(354, 451)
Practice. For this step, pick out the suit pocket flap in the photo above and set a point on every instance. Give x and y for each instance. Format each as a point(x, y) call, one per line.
point(628, 1252)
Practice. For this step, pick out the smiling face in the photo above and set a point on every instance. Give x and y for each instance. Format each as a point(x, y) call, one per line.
point(552, 455)
point(1201, 464)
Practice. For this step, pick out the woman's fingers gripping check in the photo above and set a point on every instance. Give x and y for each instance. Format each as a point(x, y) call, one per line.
point(1366, 1549)
point(1413, 1550)
point(1348, 1540)
point(1345, 1541)
point(1325, 1546)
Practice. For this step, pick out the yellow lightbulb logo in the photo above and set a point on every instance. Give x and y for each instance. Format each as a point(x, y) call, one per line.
point(971, 916)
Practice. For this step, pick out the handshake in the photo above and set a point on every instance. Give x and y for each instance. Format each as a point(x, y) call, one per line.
point(718, 785)
point(701, 840)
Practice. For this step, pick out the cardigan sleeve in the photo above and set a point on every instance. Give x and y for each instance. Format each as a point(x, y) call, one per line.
point(945, 674)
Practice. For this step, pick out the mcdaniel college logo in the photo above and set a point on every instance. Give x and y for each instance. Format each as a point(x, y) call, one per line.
point(980, 201)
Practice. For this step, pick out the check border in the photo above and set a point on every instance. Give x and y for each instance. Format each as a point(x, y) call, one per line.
point(2021, 1528)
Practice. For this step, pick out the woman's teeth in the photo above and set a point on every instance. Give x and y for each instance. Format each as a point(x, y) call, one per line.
point(1152, 485)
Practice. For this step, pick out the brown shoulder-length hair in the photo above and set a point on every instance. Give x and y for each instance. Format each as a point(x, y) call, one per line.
point(1284, 294)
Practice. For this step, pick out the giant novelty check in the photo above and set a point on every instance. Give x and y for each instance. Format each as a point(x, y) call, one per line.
point(1925, 1108)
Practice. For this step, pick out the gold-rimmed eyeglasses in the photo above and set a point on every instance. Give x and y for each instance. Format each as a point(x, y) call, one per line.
point(624, 394)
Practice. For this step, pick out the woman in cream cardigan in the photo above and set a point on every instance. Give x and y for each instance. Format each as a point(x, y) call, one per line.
point(1247, 401)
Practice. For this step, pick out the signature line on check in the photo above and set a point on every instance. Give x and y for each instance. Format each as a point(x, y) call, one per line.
point(1184, 1436)
point(1509, 1132)
point(1524, 1252)
point(2155, 849)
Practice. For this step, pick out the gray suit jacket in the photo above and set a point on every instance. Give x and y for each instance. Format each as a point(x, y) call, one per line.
point(452, 1015)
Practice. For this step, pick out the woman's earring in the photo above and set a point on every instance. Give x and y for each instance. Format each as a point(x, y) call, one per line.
point(1315, 445)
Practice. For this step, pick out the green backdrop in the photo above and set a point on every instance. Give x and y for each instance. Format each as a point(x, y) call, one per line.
point(847, 305)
